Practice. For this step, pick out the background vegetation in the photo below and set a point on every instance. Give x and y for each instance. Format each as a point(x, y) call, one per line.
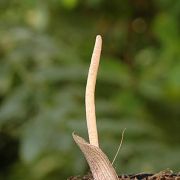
point(45, 50)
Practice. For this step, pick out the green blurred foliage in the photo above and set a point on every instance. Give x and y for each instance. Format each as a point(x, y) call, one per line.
point(45, 50)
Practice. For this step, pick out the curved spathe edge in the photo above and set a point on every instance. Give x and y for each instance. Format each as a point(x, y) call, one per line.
point(99, 163)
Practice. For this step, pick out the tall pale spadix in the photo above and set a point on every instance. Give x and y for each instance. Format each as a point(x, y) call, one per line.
point(90, 89)
point(99, 163)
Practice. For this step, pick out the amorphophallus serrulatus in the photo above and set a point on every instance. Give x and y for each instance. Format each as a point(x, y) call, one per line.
point(100, 165)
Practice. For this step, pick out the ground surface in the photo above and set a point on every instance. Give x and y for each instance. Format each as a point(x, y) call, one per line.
point(142, 176)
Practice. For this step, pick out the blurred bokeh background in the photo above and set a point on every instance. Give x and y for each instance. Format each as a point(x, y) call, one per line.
point(45, 51)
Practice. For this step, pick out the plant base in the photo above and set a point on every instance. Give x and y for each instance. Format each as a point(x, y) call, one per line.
point(142, 176)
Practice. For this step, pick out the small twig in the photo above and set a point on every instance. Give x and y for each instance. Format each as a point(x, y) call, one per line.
point(119, 146)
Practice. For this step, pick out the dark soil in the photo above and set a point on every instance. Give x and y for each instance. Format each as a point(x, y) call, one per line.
point(142, 176)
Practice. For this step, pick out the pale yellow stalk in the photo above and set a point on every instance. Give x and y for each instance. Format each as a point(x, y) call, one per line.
point(90, 91)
